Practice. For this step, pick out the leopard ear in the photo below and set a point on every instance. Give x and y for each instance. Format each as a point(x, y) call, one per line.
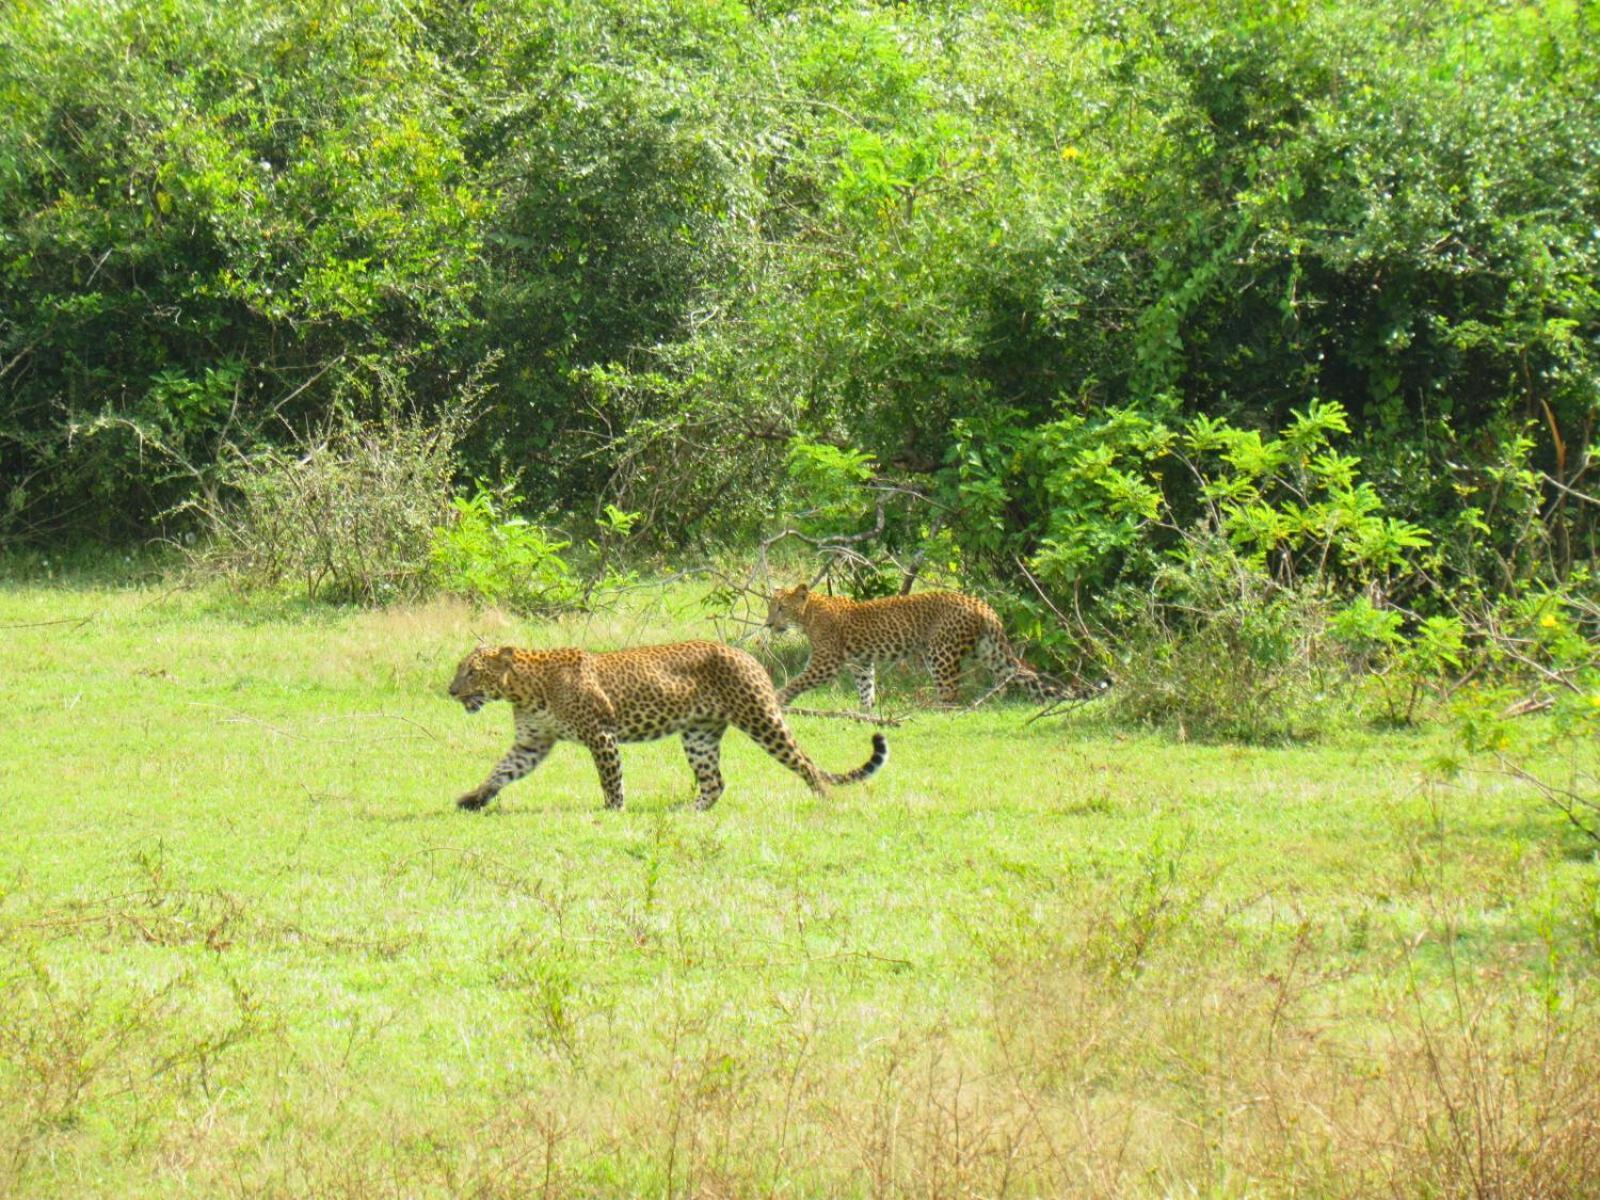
point(800, 591)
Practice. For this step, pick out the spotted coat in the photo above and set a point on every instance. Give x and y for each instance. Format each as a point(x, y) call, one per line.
point(937, 628)
point(693, 689)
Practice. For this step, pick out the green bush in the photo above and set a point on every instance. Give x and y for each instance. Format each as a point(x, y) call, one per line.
point(1403, 667)
point(1206, 562)
point(1533, 709)
point(1216, 648)
point(487, 555)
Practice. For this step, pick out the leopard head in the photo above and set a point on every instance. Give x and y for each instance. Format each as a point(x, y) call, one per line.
point(787, 606)
point(483, 675)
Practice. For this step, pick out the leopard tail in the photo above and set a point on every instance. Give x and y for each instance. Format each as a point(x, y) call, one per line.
point(880, 755)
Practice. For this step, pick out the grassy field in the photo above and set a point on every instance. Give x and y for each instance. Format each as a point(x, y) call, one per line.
point(248, 947)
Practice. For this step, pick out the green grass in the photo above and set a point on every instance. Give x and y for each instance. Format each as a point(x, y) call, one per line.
point(249, 947)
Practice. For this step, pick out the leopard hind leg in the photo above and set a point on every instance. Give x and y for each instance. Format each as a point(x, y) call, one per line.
point(995, 653)
point(703, 747)
point(866, 677)
point(944, 664)
point(772, 735)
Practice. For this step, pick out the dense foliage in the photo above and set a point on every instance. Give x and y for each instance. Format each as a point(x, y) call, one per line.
point(991, 251)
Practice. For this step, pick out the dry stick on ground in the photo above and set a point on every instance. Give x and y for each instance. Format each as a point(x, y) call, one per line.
point(845, 714)
point(1055, 707)
point(983, 699)
point(75, 622)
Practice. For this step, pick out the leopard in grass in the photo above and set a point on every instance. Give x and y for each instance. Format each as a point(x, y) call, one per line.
point(939, 628)
point(693, 689)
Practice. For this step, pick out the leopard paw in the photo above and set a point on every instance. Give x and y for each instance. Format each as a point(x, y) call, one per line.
point(475, 799)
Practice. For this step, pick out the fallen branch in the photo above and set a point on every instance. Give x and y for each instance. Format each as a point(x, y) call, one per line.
point(1527, 705)
point(845, 715)
point(76, 623)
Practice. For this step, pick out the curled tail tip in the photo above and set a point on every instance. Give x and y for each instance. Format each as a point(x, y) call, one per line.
point(880, 754)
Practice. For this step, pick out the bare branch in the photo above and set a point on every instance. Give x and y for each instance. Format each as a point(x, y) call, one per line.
point(1573, 492)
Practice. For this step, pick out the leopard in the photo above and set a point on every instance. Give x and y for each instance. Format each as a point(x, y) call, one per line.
point(939, 628)
point(694, 689)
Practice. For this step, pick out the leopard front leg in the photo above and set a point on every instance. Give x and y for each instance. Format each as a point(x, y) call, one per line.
point(521, 759)
point(819, 669)
point(607, 760)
